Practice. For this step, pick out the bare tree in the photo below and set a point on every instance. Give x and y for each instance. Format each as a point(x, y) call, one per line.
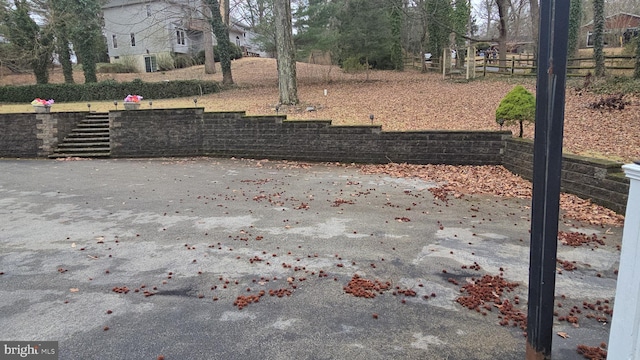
point(518, 20)
point(485, 10)
point(251, 12)
point(287, 84)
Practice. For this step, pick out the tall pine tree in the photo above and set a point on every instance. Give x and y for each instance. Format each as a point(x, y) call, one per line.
point(438, 25)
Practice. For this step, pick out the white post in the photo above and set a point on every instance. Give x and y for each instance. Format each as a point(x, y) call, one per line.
point(444, 63)
point(624, 338)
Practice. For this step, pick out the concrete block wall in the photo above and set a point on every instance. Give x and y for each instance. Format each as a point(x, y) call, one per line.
point(191, 132)
point(35, 135)
point(19, 135)
point(601, 181)
point(156, 133)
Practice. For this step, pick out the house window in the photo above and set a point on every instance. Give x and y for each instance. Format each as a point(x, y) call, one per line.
point(148, 10)
point(180, 37)
point(133, 39)
point(114, 39)
point(606, 35)
point(150, 64)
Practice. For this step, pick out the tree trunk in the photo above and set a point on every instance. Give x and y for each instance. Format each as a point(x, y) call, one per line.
point(575, 17)
point(224, 45)
point(209, 62)
point(598, 41)
point(224, 11)
point(287, 85)
point(86, 33)
point(209, 56)
point(89, 62)
point(521, 129)
point(503, 8)
point(636, 72)
point(64, 56)
point(534, 8)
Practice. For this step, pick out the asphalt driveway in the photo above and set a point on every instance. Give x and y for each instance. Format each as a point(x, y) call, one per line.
point(244, 259)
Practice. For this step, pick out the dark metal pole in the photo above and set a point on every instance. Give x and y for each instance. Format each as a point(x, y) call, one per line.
point(547, 166)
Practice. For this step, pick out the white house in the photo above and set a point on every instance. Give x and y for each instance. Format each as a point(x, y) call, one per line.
point(143, 31)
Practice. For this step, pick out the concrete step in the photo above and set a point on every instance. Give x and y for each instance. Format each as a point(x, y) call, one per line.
point(83, 139)
point(94, 133)
point(81, 155)
point(84, 149)
point(89, 129)
point(93, 124)
point(67, 145)
point(89, 139)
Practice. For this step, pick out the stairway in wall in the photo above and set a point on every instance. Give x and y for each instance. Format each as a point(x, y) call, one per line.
point(89, 139)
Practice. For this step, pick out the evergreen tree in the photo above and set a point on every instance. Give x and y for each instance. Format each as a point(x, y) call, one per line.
point(395, 18)
point(34, 43)
point(518, 106)
point(316, 27)
point(460, 21)
point(438, 25)
point(83, 26)
point(61, 21)
point(364, 33)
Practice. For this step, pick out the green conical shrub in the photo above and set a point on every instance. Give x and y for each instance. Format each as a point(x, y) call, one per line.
point(518, 106)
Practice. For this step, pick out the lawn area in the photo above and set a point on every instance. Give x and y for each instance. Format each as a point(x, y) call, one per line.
point(399, 101)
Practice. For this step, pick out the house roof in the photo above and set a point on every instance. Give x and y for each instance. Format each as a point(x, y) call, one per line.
point(590, 23)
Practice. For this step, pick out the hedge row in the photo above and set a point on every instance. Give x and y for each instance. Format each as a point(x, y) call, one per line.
point(107, 90)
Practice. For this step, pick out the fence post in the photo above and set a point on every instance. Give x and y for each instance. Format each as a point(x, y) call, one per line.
point(444, 64)
point(484, 67)
point(624, 337)
point(513, 63)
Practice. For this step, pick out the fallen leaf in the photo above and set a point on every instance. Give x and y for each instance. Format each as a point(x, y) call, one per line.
point(74, 290)
point(562, 334)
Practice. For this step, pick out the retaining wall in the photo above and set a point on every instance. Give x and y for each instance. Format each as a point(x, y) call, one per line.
point(193, 132)
point(601, 181)
point(35, 135)
point(186, 132)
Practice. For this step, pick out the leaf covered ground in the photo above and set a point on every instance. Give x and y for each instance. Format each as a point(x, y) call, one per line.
point(406, 101)
point(399, 101)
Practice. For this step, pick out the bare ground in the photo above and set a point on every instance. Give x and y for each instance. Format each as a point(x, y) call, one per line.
point(399, 101)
